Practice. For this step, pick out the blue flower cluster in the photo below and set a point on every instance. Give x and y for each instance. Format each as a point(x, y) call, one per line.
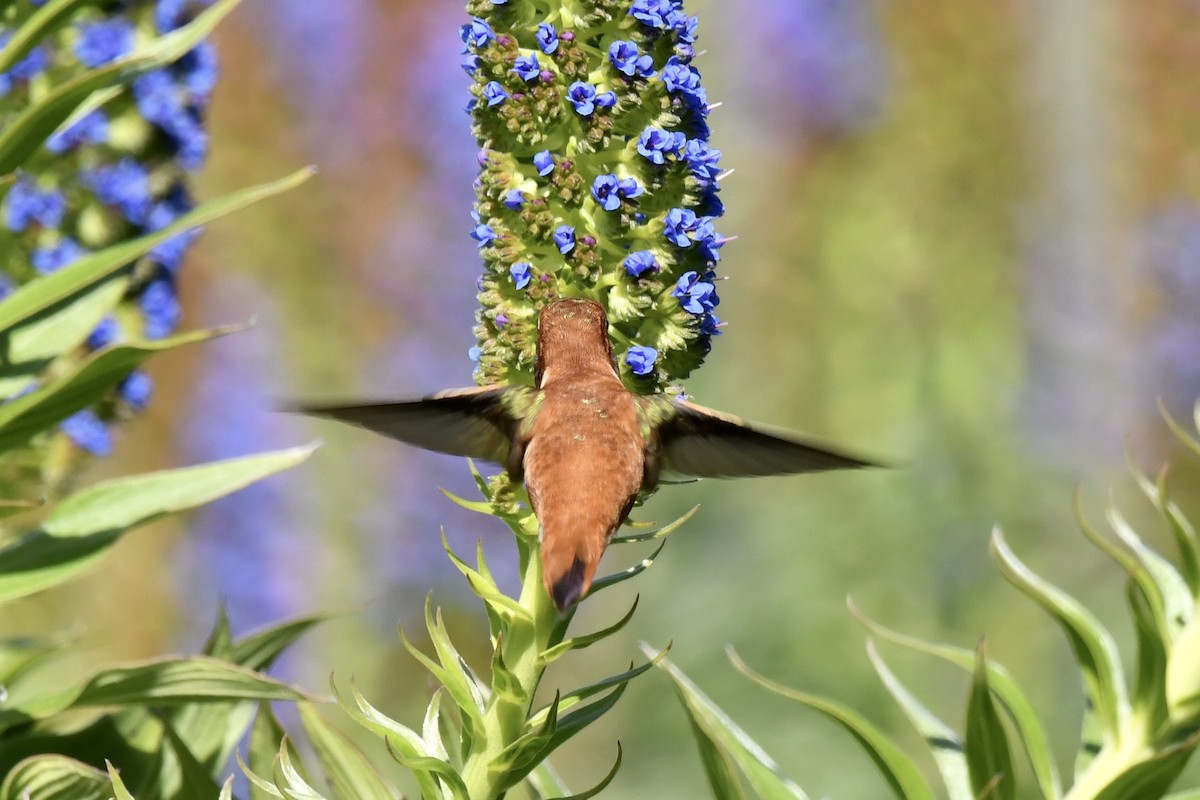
point(597, 179)
point(90, 187)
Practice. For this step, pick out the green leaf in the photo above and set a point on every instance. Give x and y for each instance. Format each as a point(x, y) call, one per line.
point(51, 777)
point(289, 779)
point(1185, 437)
point(632, 572)
point(942, 741)
point(1150, 777)
point(197, 782)
point(724, 746)
point(986, 743)
point(661, 533)
point(580, 642)
point(1178, 601)
point(1181, 530)
point(1093, 646)
point(599, 787)
point(118, 785)
point(124, 502)
point(349, 772)
point(91, 380)
point(161, 682)
point(266, 737)
point(40, 24)
point(897, 769)
point(28, 131)
point(84, 526)
point(1020, 710)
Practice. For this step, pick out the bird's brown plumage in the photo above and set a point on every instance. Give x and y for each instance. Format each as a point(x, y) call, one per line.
point(584, 459)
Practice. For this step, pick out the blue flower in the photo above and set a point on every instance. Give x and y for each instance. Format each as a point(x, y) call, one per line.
point(125, 185)
point(198, 67)
point(677, 224)
point(136, 389)
point(28, 204)
point(102, 42)
point(104, 334)
point(641, 359)
point(544, 162)
point(527, 67)
point(564, 238)
point(49, 259)
point(160, 309)
point(170, 252)
point(695, 296)
point(88, 432)
point(547, 37)
point(628, 60)
point(583, 97)
point(710, 325)
point(604, 189)
point(172, 14)
point(685, 29)
point(494, 93)
point(629, 188)
point(514, 199)
point(476, 33)
point(92, 128)
point(473, 353)
point(470, 63)
point(660, 14)
point(158, 97)
point(32, 65)
point(520, 274)
point(683, 79)
point(702, 160)
point(641, 261)
point(656, 144)
point(606, 100)
point(483, 235)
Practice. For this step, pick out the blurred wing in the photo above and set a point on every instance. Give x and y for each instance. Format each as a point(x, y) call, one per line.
point(479, 422)
point(708, 444)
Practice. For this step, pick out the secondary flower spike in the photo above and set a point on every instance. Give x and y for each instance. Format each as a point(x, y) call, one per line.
point(584, 444)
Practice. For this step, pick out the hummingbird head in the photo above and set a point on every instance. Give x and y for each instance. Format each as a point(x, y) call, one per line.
point(572, 338)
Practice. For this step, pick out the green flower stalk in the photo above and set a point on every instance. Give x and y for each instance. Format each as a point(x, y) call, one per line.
point(597, 180)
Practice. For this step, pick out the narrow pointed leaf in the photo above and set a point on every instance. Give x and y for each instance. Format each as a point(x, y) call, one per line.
point(724, 745)
point(1178, 601)
point(580, 642)
point(942, 741)
point(349, 772)
point(1184, 436)
point(38, 26)
point(266, 737)
point(197, 782)
point(1184, 536)
point(1093, 646)
point(661, 533)
point(632, 572)
point(118, 786)
point(985, 744)
point(601, 786)
point(1020, 710)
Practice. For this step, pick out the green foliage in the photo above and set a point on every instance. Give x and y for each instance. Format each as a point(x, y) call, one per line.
point(1136, 739)
point(492, 734)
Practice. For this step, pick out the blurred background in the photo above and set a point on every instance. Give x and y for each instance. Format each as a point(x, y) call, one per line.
point(968, 245)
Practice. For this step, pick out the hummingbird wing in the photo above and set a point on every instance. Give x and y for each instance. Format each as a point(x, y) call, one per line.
point(480, 422)
point(703, 442)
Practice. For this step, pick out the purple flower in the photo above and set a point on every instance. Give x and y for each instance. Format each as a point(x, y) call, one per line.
point(604, 189)
point(160, 309)
point(514, 199)
point(641, 359)
point(104, 333)
point(695, 296)
point(660, 14)
point(583, 97)
point(641, 261)
point(564, 238)
point(27, 204)
point(50, 259)
point(125, 185)
point(547, 37)
point(476, 33)
point(494, 93)
point(92, 128)
point(136, 389)
point(628, 60)
point(677, 224)
point(520, 274)
point(702, 160)
point(544, 162)
point(102, 42)
point(88, 432)
point(527, 67)
point(710, 325)
point(656, 144)
point(483, 235)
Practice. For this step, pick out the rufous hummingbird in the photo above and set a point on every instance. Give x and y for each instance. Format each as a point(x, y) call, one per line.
point(585, 445)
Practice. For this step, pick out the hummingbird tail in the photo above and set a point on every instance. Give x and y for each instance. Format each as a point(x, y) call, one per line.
point(568, 589)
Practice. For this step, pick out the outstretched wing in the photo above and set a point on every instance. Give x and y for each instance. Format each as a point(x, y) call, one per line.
point(699, 441)
point(478, 422)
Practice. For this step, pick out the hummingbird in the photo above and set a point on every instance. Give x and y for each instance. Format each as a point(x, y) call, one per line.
point(585, 445)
